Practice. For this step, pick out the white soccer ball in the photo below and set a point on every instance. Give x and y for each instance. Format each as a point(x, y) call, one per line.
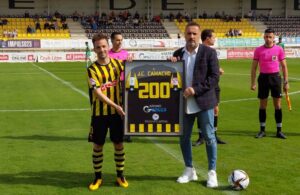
point(238, 180)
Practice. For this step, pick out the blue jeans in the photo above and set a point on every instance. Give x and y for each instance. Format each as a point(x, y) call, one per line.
point(207, 127)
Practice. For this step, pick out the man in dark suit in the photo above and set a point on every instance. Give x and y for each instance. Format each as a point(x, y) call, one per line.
point(201, 78)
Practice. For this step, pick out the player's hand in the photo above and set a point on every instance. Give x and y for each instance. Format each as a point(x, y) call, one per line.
point(129, 58)
point(286, 87)
point(188, 92)
point(120, 111)
point(221, 71)
point(174, 59)
point(253, 87)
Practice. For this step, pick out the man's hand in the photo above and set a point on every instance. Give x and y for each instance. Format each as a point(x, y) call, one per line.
point(286, 87)
point(221, 71)
point(174, 59)
point(188, 92)
point(129, 58)
point(253, 87)
point(120, 111)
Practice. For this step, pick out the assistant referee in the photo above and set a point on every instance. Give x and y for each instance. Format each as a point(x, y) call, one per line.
point(269, 57)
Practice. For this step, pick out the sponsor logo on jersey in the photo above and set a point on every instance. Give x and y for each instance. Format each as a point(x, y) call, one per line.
point(108, 85)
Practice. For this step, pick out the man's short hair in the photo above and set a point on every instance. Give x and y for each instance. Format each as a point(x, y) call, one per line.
point(112, 36)
point(99, 36)
point(192, 24)
point(269, 30)
point(206, 33)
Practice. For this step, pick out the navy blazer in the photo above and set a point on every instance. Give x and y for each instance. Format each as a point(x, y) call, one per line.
point(205, 76)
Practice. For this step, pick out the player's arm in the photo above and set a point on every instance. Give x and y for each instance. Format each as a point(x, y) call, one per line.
point(253, 74)
point(95, 85)
point(285, 75)
point(106, 100)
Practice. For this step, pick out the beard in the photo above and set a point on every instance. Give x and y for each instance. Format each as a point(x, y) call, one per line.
point(191, 44)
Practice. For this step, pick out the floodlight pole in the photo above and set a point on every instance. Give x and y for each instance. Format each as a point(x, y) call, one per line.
point(149, 9)
point(197, 8)
point(285, 9)
point(48, 7)
point(99, 7)
point(241, 7)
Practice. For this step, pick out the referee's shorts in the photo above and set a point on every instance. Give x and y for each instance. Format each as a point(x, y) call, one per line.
point(269, 82)
point(101, 124)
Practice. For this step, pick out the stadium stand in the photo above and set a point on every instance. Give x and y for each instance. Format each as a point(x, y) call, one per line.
point(130, 28)
point(147, 30)
point(221, 27)
point(26, 28)
point(287, 27)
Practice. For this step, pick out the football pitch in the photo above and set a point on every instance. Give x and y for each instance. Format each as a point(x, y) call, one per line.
point(44, 123)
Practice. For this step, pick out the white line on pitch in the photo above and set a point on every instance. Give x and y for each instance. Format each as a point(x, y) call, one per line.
point(293, 78)
point(36, 73)
point(244, 74)
point(20, 73)
point(241, 74)
point(68, 84)
point(294, 92)
point(250, 99)
point(46, 110)
point(238, 100)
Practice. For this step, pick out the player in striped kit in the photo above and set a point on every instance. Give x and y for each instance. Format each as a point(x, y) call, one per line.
point(107, 112)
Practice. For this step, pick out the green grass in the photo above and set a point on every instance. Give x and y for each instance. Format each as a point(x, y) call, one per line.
point(43, 147)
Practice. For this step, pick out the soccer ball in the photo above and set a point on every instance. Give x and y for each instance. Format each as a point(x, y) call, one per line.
point(238, 180)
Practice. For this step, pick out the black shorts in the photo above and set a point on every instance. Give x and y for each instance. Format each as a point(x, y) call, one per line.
point(267, 82)
point(100, 126)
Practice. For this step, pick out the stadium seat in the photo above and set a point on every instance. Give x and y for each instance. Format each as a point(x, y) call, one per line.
point(21, 25)
point(220, 27)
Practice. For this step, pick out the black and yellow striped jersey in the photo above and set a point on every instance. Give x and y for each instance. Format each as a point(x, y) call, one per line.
point(106, 77)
